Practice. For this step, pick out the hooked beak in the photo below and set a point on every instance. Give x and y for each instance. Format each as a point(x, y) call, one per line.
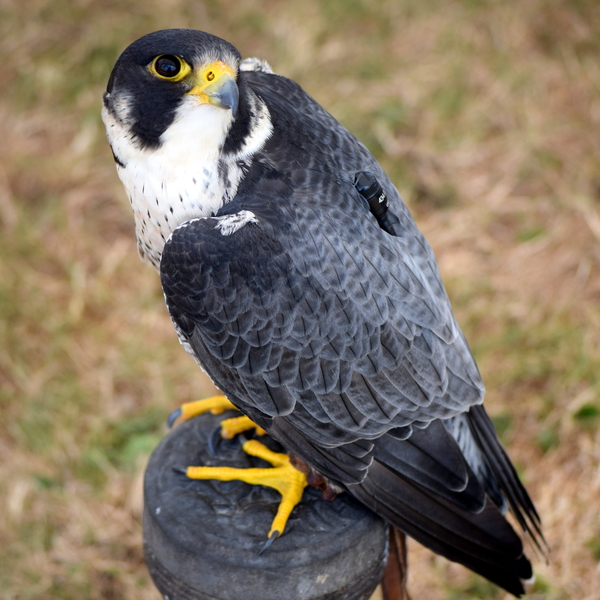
point(222, 91)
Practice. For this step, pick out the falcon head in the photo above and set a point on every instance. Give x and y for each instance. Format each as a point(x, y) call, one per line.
point(180, 120)
point(168, 75)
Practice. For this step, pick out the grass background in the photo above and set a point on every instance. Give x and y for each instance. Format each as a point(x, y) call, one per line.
point(485, 113)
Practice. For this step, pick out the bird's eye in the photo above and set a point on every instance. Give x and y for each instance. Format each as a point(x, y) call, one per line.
point(167, 66)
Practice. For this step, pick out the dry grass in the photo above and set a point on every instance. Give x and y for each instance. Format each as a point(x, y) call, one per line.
point(487, 116)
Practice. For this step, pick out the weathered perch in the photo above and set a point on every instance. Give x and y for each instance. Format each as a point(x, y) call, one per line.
point(202, 538)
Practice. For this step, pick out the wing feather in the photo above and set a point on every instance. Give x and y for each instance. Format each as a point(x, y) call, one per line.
point(339, 339)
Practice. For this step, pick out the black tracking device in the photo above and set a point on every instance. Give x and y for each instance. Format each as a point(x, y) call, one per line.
point(370, 189)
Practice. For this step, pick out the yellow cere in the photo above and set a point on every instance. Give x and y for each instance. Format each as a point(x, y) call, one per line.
point(214, 71)
point(210, 76)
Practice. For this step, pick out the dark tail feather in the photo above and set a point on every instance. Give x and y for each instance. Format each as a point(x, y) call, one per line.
point(484, 541)
point(519, 501)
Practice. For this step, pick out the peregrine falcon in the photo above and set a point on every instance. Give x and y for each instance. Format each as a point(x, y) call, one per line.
point(321, 319)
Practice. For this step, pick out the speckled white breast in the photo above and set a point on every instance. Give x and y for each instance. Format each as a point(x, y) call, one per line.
point(177, 181)
point(180, 180)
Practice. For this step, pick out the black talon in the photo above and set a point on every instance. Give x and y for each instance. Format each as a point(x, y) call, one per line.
point(214, 439)
point(180, 470)
point(173, 417)
point(271, 539)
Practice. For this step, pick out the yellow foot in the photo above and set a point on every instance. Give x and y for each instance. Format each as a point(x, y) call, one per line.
point(216, 405)
point(231, 427)
point(283, 477)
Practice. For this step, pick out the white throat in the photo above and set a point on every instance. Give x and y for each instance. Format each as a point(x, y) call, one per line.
point(180, 180)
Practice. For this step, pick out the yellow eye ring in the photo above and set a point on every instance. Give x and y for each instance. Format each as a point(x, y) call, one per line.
point(169, 67)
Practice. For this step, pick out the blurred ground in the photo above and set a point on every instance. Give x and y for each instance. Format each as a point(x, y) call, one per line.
point(487, 116)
